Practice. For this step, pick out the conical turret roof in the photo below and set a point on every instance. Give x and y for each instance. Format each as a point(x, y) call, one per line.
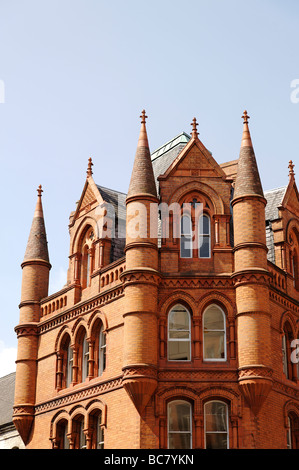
point(142, 179)
point(248, 179)
point(37, 245)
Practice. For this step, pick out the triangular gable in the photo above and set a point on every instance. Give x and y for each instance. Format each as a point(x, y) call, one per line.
point(195, 157)
point(291, 198)
point(90, 196)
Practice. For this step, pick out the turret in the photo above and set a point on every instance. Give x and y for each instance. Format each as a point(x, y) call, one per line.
point(35, 281)
point(141, 278)
point(251, 278)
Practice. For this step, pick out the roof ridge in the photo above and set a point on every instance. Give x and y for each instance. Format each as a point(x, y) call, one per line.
point(168, 143)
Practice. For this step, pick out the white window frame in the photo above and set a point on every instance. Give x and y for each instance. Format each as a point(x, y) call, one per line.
point(214, 359)
point(85, 358)
point(187, 237)
point(102, 351)
point(204, 235)
point(179, 339)
point(179, 432)
point(216, 432)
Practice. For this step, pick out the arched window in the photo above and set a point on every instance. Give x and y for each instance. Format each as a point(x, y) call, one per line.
point(293, 431)
point(186, 237)
point(62, 441)
point(179, 334)
point(179, 425)
point(214, 334)
point(97, 435)
point(288, 367)
point(86, 267)
point(204, 237)
point(85, 358)
point(216, 425)
point(69, 365)
point(102, 351)
point(295, 270)
point(78, 432)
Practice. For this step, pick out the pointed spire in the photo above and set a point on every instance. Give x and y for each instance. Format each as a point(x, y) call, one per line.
point(246, 138)
point(248, 179)
point(89, 168)
point(291, 170)
point(142, 179)
point(194, 125)
point(37, 245)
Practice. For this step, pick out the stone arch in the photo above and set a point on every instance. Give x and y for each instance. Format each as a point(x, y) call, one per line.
point(175, 393)
point(84, 225)
point(178, 297)
point(202, 188)
point(220, 299)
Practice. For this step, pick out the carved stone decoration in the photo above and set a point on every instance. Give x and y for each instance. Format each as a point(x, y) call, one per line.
point(255, 384)
point(140, 382)
point(23, 419)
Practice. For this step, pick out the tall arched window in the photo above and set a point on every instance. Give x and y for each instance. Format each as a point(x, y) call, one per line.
point(179, 334)
point(295, 269)
point(97, 435)
point(214, 334)
point(186, 237)
point(85, 358)
point(216, 425)
point(102, 351)
point(204, 237)
point(293, 431)
point(179, 425)
point(69, 365)
point(62, 441)
point(288, 367)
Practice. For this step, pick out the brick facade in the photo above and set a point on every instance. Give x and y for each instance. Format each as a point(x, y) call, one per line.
point(148, 345)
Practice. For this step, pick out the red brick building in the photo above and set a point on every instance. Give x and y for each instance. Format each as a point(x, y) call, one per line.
point(177, 327)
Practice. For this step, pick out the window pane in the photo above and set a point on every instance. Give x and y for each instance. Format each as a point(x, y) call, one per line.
point(214, 345)
point(179, 441)
point(179, 416)
point(213, 318)
point(179, 318)
point(186, 247)
point(204, 246)
point(204, 225)
point(185, 225)
point(215, 416)
point(178, 350)
point(216, 441)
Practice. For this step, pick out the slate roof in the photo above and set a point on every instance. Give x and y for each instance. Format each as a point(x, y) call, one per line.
point(7, 391)
point(118, 201)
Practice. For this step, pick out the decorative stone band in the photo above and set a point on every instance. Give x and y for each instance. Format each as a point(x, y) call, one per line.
point(140, 371)
point(23, 410)
point(141, 245)
point(38, 262)
point(142, 197)
point(255, 371)
point(141, 276)
point(249, 197)
point(27, 329)
point(240, 246)
point(251, 276)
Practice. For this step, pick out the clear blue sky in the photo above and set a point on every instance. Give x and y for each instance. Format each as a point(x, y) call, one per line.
point(76, 76)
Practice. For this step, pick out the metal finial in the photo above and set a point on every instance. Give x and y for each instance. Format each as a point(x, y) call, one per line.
point(89, 169)
point(143, 117)
point(245, 117)
point(291, 168)
point(194, 125)
point(39, 190)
